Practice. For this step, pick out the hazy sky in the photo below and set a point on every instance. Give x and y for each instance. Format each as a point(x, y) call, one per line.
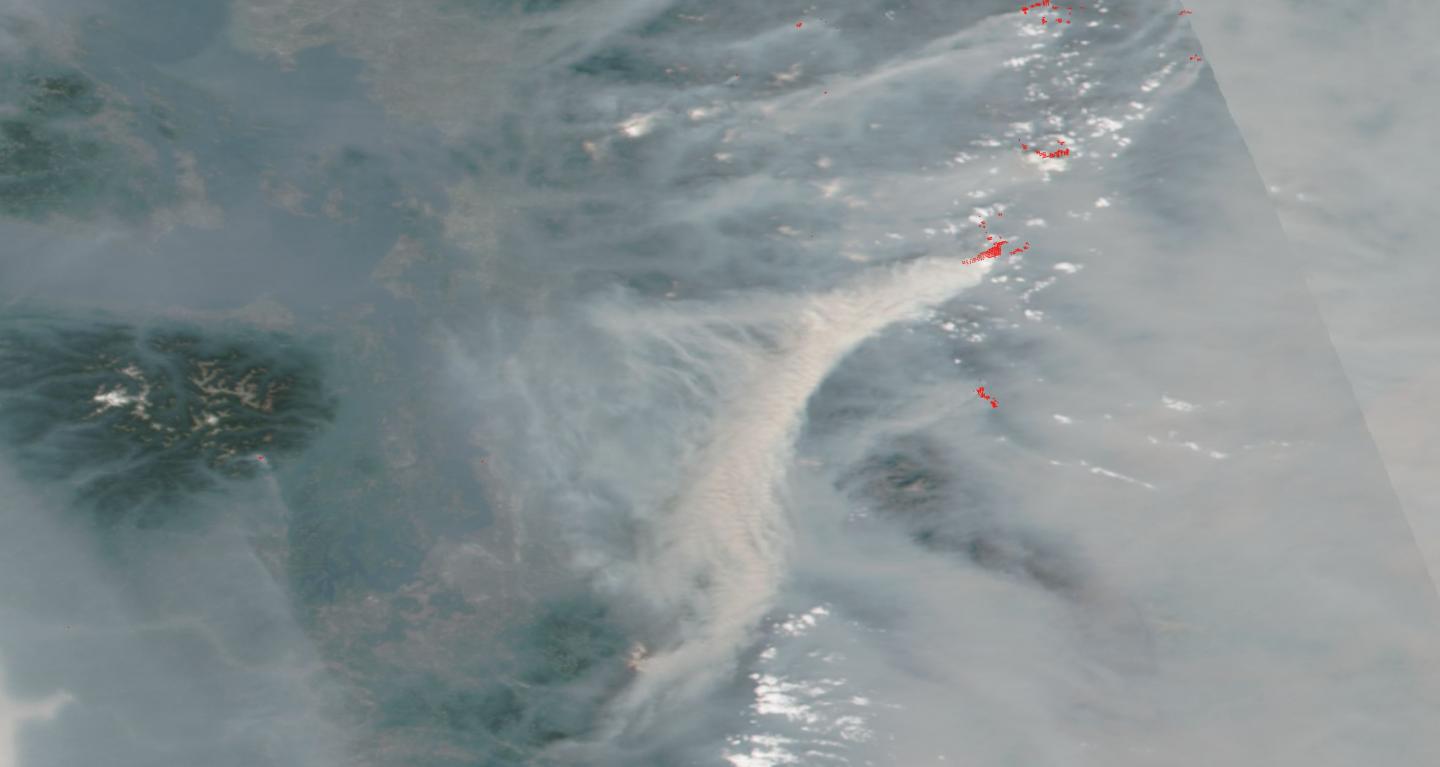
point(1333, 99)
point(597, 384)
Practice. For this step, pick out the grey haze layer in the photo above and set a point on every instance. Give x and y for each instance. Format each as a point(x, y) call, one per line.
point(613, 367)
point(1349, 173)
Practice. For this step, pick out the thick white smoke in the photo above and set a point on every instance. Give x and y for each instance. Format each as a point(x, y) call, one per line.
point(716, 554)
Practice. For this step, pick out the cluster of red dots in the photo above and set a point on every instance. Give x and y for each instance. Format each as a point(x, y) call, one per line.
point(1026, 9)
point(1063, 151)
point(993, 252)
point(996, 248)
